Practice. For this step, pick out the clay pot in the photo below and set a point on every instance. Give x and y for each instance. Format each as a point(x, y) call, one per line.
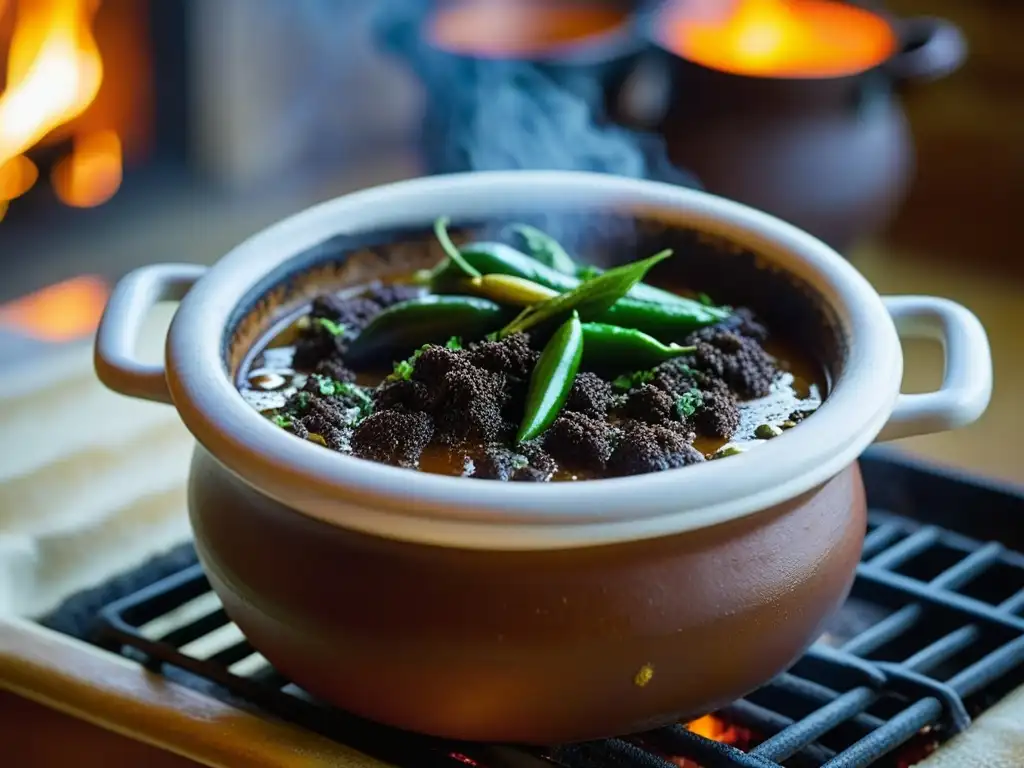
point(831, 155)
point(523, 612)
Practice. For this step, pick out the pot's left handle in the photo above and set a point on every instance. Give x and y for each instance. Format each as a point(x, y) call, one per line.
point(967, 383)
point(132, 299)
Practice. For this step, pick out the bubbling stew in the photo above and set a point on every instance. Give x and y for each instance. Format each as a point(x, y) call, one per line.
point(506, 363)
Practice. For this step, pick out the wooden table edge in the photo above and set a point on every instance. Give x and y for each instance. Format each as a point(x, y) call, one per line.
point(121, 696)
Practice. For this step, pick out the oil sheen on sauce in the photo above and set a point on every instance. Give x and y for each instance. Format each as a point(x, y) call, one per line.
point(266, 380)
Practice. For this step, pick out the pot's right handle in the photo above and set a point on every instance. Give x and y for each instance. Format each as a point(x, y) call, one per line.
point(132, 299)
point(967, 382)
point(931, 48)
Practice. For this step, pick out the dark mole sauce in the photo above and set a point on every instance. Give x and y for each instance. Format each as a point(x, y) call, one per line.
point(266, 379)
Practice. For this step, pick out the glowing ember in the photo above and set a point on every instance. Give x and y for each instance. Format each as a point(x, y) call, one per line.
point(777, 38)
point(710, 727)
point(715, 728)
point(54, 72)
point(62, 312)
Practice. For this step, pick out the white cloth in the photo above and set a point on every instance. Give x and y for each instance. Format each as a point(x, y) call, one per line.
point(91, 483)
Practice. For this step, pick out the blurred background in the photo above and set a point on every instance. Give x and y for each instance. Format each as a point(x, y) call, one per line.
point(137, 131)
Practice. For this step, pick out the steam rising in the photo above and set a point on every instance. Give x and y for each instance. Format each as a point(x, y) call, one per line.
point(504, 115)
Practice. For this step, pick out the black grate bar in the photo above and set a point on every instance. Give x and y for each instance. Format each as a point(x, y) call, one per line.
point(676, 740)
point(950, 601)
point(769, 723)
point(944, 648)
point(233, 653)
point(856, 669)
point(880, 538)
point(1013, 604)
point(163, 597)
point(790, 741)
point(820, 696)
point(913, 545)
point(892, 626)
point(988, 669)
point(610, 753)
point(894, 733)
point(196, 629)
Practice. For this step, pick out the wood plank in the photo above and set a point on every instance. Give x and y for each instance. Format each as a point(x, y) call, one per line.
point(120, 696)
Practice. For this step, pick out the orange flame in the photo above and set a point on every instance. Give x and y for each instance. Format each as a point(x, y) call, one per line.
point(710, 727)
point(54, 72)
point(781, 38)
point(62, 312)
point(91, 174)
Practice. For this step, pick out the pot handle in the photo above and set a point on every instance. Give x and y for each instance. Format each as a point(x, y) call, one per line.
point(132, 299)
point(930, 49)
point(967, 382)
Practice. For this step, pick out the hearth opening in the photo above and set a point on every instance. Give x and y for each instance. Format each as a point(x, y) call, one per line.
point(76, 102)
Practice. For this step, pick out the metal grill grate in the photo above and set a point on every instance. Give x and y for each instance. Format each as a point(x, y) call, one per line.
point(933, 634)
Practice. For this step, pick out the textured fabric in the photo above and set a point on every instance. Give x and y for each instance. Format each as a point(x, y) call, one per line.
point(92, 484)
point(994, 740)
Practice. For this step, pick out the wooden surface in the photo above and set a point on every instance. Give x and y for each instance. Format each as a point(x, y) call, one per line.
point(117, 695)
point(35, 736)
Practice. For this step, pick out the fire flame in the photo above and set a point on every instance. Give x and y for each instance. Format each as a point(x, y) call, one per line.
point(54, 72)
point(778, 38)
point(62, 312)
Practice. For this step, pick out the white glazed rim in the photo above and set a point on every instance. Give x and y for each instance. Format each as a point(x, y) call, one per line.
point(460, 512)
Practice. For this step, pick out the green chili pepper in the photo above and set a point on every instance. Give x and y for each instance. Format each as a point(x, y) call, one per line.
point(626, 348)
point(502, 259)
point(662, 320)
point(552, 378)
point(589, 298)
point(454, 255)
point(550, 252)
point(641, 291)
point(546, 249)
point(434, 319)
point(681, 315)
point(508, 289)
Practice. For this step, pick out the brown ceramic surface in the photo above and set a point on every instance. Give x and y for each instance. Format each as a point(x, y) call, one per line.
point(540, 647)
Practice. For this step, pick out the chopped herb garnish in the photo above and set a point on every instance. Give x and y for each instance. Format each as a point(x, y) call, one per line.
point(329, 387)
point(588, 272)
point(688, 403)
point(403, 368)
point(704, 299)
point(326, 385)
point(454, 343)
point(330, 326)
point(628, 381)
point(281, 420)
point(301, 401)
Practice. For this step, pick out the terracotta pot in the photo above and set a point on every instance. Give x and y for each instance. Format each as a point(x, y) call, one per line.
point(537, 613)
point(832, 155)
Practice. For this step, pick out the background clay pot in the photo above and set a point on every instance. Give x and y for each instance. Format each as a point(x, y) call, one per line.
point(834, 156)
point(519, 611)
